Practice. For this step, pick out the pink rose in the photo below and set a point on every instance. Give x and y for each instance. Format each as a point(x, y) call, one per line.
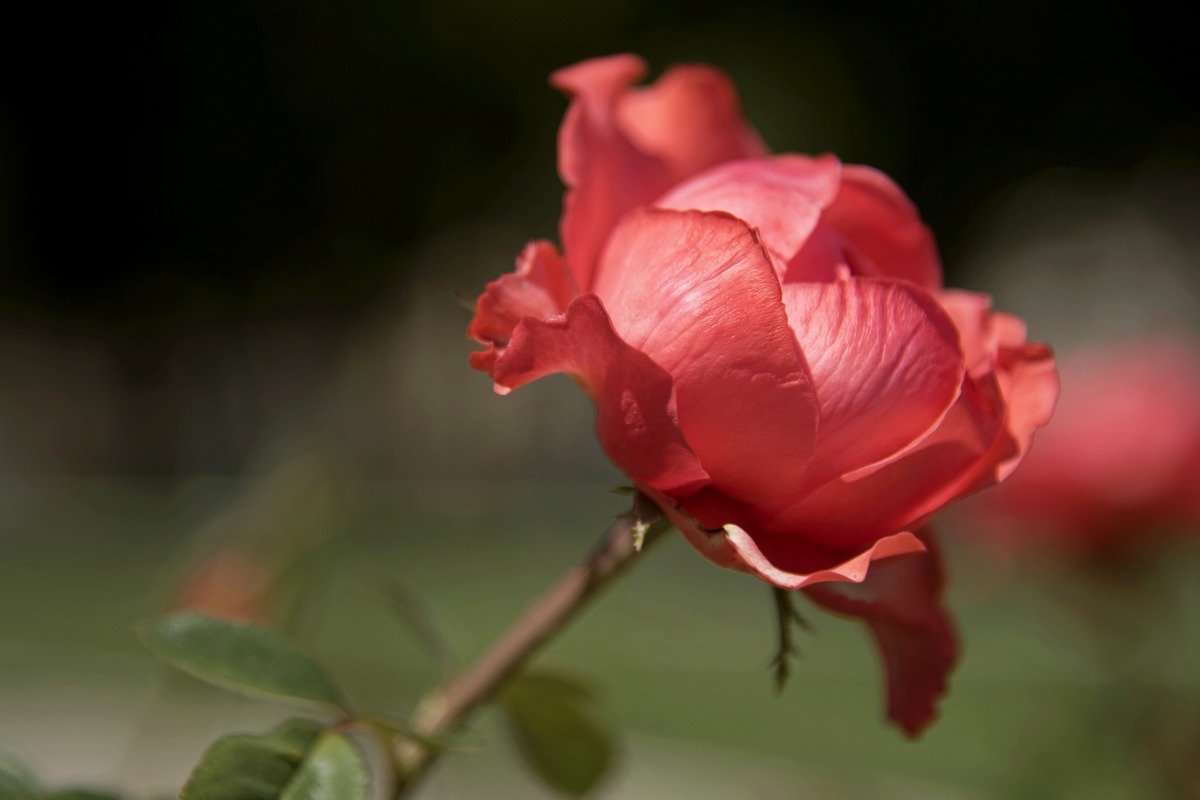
point(770, 351)
point(1121, 462)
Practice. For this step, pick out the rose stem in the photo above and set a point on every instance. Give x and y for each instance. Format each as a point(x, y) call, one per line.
point(449, 706)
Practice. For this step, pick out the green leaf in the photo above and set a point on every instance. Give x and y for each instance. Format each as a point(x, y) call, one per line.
point(250, 766)
point(334, 770)
point(555, 732)
point(295, 761)
point(552, 686)
point(16, 783)
point(241, 658)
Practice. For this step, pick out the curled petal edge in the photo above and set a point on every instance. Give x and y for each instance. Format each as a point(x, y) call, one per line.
point(539, 287)
point(732, 547)
point(1030, 382)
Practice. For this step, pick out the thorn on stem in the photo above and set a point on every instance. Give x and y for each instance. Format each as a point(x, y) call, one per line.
point(643, 516)
point(639, 535)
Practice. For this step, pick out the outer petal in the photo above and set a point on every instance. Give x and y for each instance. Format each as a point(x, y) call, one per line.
point(691, 118)
point(886, 362)
point(540, 288)
point(605, 173)
point(883, 229)
point(818, 217)
point(994, 343)
point(978, 444)
point(972, 315)
point(901, 602)
point(619, 148)
point(783, 197)
point(634, 409)
point(854, 510)
point(697, 293)
point(786, 562)
point(1029, 382)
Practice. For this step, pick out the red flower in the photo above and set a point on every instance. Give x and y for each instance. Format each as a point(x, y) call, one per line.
point(770, 352)
point(1121, 463)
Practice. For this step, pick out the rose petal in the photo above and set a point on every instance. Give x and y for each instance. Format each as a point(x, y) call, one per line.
point(883, 229)
point(902, 605)
point(1025, 372)
point(619, 148)
point(853, 570)
point(605, 173)
point(1029, 382)
point(634, 409)
point(848, 513)
point(786, 562)
point(697, 293)
point(691, 118)
point(972, 315)
point(783, 197)
point(540, 287)
point(817, 216)
point(886, 362)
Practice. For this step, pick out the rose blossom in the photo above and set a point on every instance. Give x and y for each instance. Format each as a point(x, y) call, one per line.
point(1121, 462)
point(771, 353)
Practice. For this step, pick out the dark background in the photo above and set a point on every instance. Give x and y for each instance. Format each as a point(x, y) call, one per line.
point(206, 166)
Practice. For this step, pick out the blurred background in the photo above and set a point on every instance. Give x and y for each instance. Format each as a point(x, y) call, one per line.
point(233, 236)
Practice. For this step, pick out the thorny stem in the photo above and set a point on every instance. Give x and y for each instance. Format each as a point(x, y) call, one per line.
point(449, 706)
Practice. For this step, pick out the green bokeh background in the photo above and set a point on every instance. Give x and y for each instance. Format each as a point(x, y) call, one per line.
point(1043, 705)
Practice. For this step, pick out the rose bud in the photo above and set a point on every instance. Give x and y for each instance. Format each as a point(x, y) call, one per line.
point(771, 353)
point(1120, 465)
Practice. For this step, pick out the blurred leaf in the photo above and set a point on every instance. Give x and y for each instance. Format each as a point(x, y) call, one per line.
point(415, 614)
point(334, 770)
point(293, 761)
point(559, 738)
point(250, 766)
point(242, 658)
point(556, 685)
point(16, 782)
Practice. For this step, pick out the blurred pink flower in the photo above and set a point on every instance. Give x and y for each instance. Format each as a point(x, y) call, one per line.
point(1121, 461)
